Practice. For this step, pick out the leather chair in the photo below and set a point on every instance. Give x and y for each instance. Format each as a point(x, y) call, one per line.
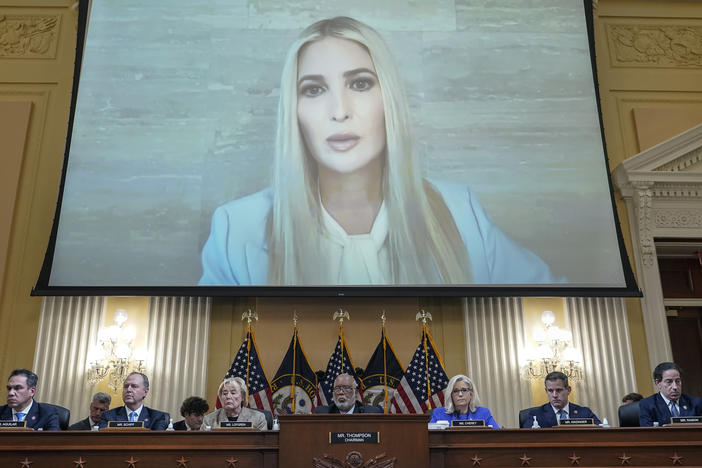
point(64, 415)
point(629, 415)
point(268, 416)
point(524, 415)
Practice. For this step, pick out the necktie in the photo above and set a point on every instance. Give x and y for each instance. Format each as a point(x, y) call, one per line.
point(562, 414)
point(20, 416)
point(674, 410)
point(133, 416)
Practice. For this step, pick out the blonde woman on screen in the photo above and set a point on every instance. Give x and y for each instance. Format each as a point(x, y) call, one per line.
point(348, 204)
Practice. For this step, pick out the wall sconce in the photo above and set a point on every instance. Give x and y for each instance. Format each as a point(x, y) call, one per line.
point(114, 357)
point(553, 353)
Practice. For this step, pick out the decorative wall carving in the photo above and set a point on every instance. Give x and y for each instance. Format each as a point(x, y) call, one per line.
point(644, 196)
point(680, 218)
point(28, 36)
point(655, 45)
point(677, 191)
point(683, 163)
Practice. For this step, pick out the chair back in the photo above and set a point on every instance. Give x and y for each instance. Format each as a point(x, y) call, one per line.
point(268, 416)
point(524, 415)
point(629, 415)
point(64, 415)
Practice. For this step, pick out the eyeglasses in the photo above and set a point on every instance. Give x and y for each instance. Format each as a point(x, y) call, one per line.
point(457, 391)
point(343, 388)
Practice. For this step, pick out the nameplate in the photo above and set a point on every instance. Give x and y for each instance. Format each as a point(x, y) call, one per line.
point(236, 425)
point(468, 423)
point(576, 422)
point(125, 424)
point(686, 420)
point(13, 424)
point(354, 437)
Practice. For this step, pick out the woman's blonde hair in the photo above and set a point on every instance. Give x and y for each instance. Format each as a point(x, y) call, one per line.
point(424, 244)
point(448, 396)
point(239, 383)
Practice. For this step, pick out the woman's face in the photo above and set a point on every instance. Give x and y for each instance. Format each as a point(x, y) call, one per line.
point(461, 395)
point(339, 104)
point(230, 397)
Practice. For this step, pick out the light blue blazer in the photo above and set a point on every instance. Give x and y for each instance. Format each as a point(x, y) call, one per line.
point(236, 252)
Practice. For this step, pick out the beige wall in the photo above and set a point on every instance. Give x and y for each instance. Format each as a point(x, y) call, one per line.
point(639, 90)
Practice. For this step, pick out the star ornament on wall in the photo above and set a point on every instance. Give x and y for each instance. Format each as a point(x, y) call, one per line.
point(232, 462)
point(182, 462)
point(526, 461)
point(476, 460)
point(80, 462)
point(574, 459)
point(131, 463)
point(625, 459)
point(25, 463)
point(676, 459)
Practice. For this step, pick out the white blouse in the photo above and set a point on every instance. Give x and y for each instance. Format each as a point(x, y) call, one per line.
point(360, 258)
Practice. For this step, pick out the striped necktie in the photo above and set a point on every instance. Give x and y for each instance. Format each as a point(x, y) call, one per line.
point(562, 414)
point(674, 409)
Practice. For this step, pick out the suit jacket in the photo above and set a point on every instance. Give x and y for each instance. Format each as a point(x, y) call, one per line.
point(236, 253)
point(653, 409)
point(359, 408)
point(82, 425)
point(547, 418)
point(257, 418)
point(39, 416)
point(180, 425)
point(153, 419)
point(481, 412)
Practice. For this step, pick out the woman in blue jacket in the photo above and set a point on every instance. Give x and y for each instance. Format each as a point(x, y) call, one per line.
point(461, 400)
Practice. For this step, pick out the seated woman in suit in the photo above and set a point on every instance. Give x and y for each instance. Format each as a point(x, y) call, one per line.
point(234, 397)
point(461, 400)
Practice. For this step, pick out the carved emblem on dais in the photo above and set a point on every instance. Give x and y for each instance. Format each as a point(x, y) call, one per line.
point(28, 36)
point(678, 218)
point(655, 45)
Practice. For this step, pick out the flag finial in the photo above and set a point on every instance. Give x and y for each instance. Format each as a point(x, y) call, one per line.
point(249, 316)
point(382, 317)
point(295, 318)
point(423, 315)
point(341, 314)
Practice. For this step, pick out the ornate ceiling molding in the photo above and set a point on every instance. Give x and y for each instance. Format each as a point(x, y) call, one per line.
point(28, 36)
point(655, 45)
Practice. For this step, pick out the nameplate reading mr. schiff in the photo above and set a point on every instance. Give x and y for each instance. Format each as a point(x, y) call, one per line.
point(236, 425)
point(354, 437)
point(12, 424)
point(468, 423)
point(687, 420)
point(576, 422)
point(125, 424)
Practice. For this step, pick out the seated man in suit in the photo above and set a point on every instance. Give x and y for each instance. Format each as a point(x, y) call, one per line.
point(134, 391)
point(21, 386)
point(344, 399)
point(558, 407)
point(669, 401)
point(193, 410)
point(100, 403)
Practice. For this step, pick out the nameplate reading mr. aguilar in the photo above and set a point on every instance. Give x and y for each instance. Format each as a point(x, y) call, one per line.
point(12, 424)
point(354, 437)
point(576, 422)
point(236, 425)
point(468, 423)
point(125, 424)
point(687, 420)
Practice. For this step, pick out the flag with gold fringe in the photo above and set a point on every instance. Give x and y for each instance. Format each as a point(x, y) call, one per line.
point(382, 375)
point(295, 384)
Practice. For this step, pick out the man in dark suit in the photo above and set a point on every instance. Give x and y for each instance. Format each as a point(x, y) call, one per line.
point(193, 411)
point(21, 387)
point(669, 401)
point(344, 399)
point(100, 403)
point(558, 407)
point(134, 391)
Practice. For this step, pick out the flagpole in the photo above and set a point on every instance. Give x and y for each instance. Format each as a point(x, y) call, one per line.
point(341, 314)
point(424, 315)
point(292, 387)
point(249, 315)
point(385, 366)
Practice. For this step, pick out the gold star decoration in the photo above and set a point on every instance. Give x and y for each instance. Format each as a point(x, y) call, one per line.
point(232, 462)
point(131, 463)
point(476, 460)
point(624, 458)
point(80, 462)
point(182, 461)
point(526, 461)
point(25, 463)
point(574, 459)
point(676, 459)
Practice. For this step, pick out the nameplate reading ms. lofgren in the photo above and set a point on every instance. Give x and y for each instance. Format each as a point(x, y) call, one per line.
point(468, 423)
point(576, 422)
point(354, 437)
point(12, 424)
point(687, 420)
point(236, 425)
point(125, 424)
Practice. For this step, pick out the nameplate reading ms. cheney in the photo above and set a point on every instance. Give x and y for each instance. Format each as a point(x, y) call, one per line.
point(125, 424)
point(354, 437)
point(236, 425)
point(687, 420)
point(468, 423)
point(12, 424)
point(576, 422)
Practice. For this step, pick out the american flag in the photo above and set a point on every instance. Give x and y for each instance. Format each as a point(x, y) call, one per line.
point(412, 395)
point(247, 366)
point(334, 369)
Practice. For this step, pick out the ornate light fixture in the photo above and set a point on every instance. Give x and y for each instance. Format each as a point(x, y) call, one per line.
point(553, 353)
point(113, 357)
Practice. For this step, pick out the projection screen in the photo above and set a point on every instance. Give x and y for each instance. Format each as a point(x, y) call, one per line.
point(423, 148)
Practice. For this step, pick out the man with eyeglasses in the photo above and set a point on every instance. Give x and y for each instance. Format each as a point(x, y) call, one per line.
point(669, 401)
point(344, 399)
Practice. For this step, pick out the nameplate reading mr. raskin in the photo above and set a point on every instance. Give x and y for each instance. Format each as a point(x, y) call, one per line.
point(468, 423)
point(236, 425)
point(12, 424)
point(354, 437)
point(687, 420)
point(125, 424)
point(576, 422)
